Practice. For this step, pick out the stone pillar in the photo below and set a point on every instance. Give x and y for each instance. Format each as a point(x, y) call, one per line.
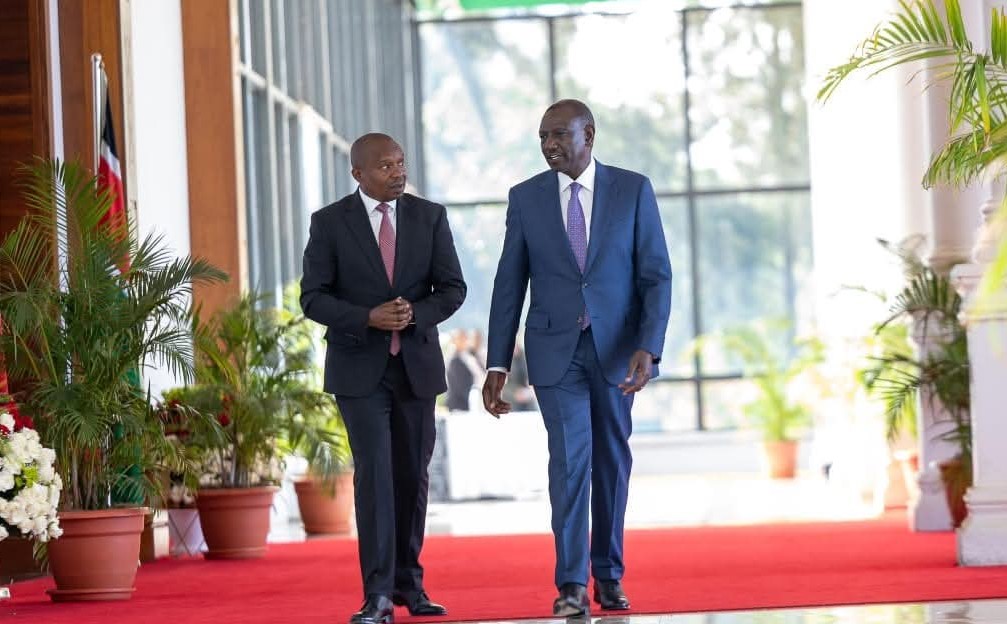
point(952, 223)
point(982, 538)
point(928, 506)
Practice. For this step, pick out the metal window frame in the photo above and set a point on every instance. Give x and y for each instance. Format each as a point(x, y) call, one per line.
point(691, 194)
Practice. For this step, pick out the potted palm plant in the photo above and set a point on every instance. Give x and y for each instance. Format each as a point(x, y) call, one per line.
point(78, 327)
point(900, 378)
point(977, 108)
point(252, 383)
point(774, 371)
point(325, 493)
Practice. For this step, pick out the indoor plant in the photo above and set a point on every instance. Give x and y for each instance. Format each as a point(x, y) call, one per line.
point(79, 321)
point(901, 378)
point(774, 370)
point(325, 493)
point(253, 382)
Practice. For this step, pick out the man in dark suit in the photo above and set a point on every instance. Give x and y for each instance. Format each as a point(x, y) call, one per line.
point(380, 272)
point(588, 238)
point(461, 373)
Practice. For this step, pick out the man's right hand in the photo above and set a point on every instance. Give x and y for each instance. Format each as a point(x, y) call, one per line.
point(492, 388)
point(391, 315)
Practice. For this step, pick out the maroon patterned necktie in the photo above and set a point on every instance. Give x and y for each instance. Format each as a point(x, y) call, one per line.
point(576, 230)
point(386, 242)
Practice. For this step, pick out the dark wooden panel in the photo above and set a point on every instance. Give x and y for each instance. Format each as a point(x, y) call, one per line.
point(212, 128)
point(24, 98)
point(86, 27)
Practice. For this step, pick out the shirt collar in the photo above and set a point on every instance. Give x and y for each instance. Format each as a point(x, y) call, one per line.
point(586, 178)
point(371, 204)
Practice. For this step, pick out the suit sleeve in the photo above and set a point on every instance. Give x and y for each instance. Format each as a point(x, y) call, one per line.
point(509, 289)
point(318, 286)
point(447, 283)
point(653, 272)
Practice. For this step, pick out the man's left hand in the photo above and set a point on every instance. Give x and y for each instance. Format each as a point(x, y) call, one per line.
point(640, 367)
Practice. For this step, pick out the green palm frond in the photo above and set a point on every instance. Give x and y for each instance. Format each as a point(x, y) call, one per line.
point(978, 98)
point(82, 313)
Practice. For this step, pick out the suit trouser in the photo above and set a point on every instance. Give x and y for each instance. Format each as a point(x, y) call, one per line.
point(588, 425)
point(392, 438)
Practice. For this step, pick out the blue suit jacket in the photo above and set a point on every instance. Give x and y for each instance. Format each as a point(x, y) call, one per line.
point(626, 282)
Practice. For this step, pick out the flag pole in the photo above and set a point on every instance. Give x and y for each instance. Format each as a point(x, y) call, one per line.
point(98, 83)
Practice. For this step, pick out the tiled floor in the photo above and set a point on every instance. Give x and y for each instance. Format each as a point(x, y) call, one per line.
point(972, 612)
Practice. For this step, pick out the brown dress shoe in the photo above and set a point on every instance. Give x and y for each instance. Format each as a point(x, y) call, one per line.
point(572, 601)
point(610, 596)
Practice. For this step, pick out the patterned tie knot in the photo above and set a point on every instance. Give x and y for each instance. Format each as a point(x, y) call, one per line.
point(383, 208)
point(574, 188)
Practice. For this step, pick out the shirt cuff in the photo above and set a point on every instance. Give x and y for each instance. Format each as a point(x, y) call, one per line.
point(497, 369)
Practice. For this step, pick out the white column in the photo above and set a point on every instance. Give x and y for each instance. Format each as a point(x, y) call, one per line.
point(982, 538)
point(952, 223)
point(928, 507)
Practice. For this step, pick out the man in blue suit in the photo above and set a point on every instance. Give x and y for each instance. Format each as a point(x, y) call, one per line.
point(588, 237)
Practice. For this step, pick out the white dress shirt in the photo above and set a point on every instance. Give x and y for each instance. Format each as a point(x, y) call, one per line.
point(374, 214)
point(586, 195)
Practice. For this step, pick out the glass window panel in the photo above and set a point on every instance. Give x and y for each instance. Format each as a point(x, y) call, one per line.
point(257, 26)
point(665, 406)
point(747, 113)
point(478, 233)
point(243, 43)
point(259, 185)
point(724, 401)
point(676, 361)
point(754, 263)
point(277, 37)
point(485, 86)
point(628, 70)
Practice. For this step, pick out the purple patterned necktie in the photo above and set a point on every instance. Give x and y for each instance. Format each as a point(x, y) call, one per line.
point(576, 230)
point(386, 243)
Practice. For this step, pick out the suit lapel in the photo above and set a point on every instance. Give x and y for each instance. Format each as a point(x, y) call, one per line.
point(601, 211)
point(405, 226)
point(360, 225)
point(553, 215)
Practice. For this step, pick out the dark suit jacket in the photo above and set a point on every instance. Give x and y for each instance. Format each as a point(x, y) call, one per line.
point(344, 278)
point(460, 381)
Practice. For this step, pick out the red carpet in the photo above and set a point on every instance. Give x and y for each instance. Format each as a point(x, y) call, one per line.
point(509, 577)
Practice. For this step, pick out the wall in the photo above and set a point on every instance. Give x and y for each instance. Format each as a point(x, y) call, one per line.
point(155, 96)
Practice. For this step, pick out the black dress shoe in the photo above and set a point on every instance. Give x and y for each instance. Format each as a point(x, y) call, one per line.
point(377, 609)
point(418, 603)
point(610, 596)
point(572, 601)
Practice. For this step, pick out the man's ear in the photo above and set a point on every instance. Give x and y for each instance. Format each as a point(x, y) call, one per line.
point(355, 173)
point(589, 135)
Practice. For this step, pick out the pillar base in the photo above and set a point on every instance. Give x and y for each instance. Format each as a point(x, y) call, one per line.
point(928, 511)
point(982, 538)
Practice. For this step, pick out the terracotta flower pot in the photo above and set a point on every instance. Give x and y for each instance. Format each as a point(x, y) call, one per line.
point(780, 458)
point(957, 478)
point(97, 556)
point(320, 511)
point(235, 521)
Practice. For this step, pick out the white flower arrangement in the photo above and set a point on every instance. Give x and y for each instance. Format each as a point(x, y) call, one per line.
point(29, 484)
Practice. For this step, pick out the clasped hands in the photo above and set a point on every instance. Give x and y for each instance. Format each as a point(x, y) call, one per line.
point(392, 315)
point(640, 367)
